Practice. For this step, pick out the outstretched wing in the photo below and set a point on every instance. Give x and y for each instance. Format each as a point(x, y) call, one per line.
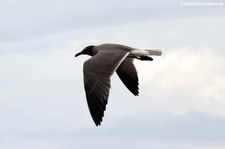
point(97, 72)
point(128, 75)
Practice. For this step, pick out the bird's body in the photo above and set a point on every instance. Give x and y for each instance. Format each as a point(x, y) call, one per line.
point(106, 59)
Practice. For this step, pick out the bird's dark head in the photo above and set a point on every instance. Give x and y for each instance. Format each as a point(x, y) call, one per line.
point(88, 51)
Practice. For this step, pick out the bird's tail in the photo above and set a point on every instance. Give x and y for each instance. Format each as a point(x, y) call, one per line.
point(156, 52)
point(147, 52)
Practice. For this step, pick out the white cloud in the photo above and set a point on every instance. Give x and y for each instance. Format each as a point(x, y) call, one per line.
point(215, 89)
point(186, 80)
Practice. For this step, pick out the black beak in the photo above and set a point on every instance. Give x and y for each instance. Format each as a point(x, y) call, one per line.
point(78, 54)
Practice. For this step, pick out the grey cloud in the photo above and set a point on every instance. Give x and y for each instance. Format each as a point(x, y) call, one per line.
point(27, 19)
point(193, 127)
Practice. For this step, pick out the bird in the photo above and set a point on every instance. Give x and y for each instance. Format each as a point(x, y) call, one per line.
point(106, 59)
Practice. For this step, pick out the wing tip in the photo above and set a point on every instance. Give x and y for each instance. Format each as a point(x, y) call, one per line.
point(98, 124)
point(136, 93)
point(98, 120)
point(134, 90)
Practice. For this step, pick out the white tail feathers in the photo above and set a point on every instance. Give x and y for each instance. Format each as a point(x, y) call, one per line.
point(147, 52)
point(154, 52)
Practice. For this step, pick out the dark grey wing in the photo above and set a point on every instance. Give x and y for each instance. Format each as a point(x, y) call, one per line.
point(128, 74)
point(97, 72)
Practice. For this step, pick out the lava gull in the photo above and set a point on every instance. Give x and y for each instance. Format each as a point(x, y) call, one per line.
point(107, 58)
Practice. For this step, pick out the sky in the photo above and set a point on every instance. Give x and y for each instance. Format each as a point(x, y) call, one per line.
point(182, 93)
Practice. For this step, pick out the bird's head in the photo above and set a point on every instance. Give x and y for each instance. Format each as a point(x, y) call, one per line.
point(88, 51)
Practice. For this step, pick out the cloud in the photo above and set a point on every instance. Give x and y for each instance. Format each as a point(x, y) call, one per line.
point(38, 89)
point(28, 19)
point(185, 80)
point(161, 130)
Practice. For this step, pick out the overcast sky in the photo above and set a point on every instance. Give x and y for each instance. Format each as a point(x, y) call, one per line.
point(182, 93)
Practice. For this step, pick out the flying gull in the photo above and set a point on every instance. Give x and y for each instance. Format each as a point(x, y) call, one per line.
point(107, 58)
